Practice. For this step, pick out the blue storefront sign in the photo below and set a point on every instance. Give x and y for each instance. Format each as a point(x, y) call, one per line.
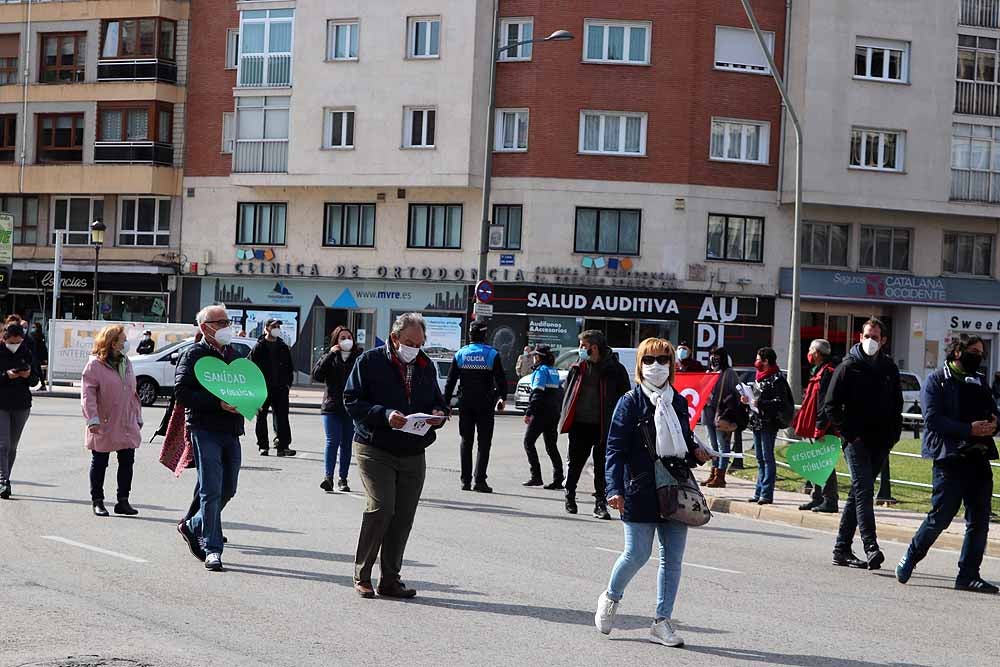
point(892, 288)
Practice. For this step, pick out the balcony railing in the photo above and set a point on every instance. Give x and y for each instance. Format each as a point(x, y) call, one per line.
point(143, 69)
point(134, 152)
point(273, 70)
point(268, 156)
point(981, 186)
point(981, 13)
point(978, 99)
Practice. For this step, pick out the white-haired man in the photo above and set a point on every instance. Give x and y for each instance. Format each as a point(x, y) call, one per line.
point(215, 428)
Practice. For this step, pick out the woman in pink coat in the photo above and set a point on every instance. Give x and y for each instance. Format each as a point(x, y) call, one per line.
point(114, 416)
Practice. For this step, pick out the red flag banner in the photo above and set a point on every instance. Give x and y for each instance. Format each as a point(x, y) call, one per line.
point(696, 388)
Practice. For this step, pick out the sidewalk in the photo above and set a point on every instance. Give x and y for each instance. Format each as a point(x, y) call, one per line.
point(893, 524)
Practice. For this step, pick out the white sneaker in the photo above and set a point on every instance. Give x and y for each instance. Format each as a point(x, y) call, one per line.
point(605, 616)
point(663, 632)
point(213, 562)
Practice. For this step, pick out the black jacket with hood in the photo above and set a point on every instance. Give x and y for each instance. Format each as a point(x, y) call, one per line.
point(865, 399)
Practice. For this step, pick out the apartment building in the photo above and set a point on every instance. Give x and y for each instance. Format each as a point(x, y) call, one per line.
point(92, 99)
point(900, 111)
point(334, 173)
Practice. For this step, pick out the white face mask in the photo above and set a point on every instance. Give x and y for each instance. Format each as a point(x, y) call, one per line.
point(346, 345)
point(275, 332)
point(13, 347)
point(224, 336)
point(656, 374)
point(870, 346)
point(406, 353)
point(125, 348)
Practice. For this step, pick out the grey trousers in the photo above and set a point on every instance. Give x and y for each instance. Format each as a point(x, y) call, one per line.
point(11, 425)
point(392, 487)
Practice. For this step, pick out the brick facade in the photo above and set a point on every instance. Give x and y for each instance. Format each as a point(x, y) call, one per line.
point(210, 87)
point(680, 91)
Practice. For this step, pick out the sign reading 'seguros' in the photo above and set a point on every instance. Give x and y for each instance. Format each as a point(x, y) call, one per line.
point(893, 288)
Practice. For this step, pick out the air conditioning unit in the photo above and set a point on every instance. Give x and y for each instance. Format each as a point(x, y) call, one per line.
point(723, 276)
point(207, 257)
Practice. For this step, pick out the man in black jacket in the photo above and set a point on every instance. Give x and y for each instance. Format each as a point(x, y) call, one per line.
point(593, 388)
point(385, 386)
point(215, 428)
point(865, 403)
point(274, 359)
point(146, 344)
point(483, 391)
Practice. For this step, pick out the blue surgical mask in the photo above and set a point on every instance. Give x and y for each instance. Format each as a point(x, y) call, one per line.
point(584, 354)
point(682, 353)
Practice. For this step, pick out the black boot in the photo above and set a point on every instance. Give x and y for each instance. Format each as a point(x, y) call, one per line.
point(571, 504)
point(285, 451)
point(555, 485)
point(122, 507)
point(601, 510)
point(100, 509)
point(536, 480)
point(327, 484)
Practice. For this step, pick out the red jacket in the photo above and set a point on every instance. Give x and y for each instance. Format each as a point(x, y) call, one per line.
point(811, 420)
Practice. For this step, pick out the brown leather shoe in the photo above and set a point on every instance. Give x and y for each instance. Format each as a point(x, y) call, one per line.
point(712, 476)
point(395, 589)
point(718, 481)
point(364, 589)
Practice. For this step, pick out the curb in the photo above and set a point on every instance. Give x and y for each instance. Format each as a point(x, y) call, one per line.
point(830, 522)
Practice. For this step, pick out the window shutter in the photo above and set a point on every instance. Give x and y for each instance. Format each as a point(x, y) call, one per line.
point(737, 48)
point(232, 47)
point(227, 132)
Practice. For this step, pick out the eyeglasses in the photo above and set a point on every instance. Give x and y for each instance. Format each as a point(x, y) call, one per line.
point(221, 323)
point(664, 359)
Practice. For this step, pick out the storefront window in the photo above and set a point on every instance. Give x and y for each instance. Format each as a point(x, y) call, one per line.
point(133, 307)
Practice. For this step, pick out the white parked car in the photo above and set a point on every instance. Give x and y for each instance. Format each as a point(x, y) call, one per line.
point(626, 355)
point(154, 373)
point(443, 367)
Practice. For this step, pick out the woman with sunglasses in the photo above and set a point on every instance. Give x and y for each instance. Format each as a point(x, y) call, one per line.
point(632, 486)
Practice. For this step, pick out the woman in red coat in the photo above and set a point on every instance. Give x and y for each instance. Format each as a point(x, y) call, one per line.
point(114, 416)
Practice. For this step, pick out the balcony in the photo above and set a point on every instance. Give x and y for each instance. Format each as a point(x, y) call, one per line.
point(273, 70)
point(269, 156)
point(977, 186)
point(142, 69)
point(980, 13)
point(133, 152)
point(977, 99)
point(136, 179)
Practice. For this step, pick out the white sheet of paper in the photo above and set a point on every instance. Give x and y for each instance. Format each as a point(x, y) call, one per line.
point(745, 390)
point(417, 423)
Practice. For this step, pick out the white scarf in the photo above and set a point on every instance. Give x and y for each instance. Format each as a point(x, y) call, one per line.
point(669, 435)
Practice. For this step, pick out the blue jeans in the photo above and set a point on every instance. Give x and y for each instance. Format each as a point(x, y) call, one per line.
point(339, 436)
point(638, 545)
point(718, 439)
point(957, 481)
point(218, 456)
point(763, 443)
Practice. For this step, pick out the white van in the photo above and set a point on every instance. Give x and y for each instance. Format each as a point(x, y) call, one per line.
point(626, 355)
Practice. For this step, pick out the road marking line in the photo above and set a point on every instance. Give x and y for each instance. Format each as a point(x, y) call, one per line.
point(686, 563)
point(99, 550)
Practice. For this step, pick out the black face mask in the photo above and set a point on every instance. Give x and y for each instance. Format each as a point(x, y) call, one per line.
point(971, 361)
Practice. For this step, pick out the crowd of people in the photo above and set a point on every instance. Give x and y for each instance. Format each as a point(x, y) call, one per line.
point(631, 423)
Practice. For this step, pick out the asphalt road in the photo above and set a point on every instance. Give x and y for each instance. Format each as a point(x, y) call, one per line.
point(506, 579)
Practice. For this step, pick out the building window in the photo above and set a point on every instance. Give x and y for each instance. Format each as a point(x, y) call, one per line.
point(435, 226)
point(64, 57)
point(60, 137)
point(342, 40)
point(8, 137)
point(261, 224)
point(612, 133)
point(980, 13)
point(232, 48)
point(824, 244)
point(975, 163)
point(881, 60)
point(10, 49)
point(424, 37)
point(513, 31)
point(228, 132)
point(74, 216)
point(885, 248)
point(740, 141)
point(737, 50)
point(139, 38)
point(418, 130)
point(265, 48)
point(976, 90)
point(616, 42)
point(25, 212)
point(261, 135)
point(512, 130)
point(967, 254)
point(144, 221)
point(878, 150)
point(148, 122)
point(610, 231)
point(339, 129)
point(510, 218)
point(736, 238)
point(350, 225)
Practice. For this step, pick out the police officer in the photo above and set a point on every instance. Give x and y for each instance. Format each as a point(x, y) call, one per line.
point(146, 345)
point(483, 390)
point(542, 417)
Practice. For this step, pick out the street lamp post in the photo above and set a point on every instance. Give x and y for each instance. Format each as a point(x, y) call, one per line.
point(794, 366)
point(484, 232)
point(97, 229)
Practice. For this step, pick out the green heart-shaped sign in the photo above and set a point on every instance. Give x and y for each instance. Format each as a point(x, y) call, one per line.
point(815, 460)
point(241, 384)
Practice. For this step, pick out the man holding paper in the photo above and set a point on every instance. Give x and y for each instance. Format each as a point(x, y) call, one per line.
point(393, 396)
